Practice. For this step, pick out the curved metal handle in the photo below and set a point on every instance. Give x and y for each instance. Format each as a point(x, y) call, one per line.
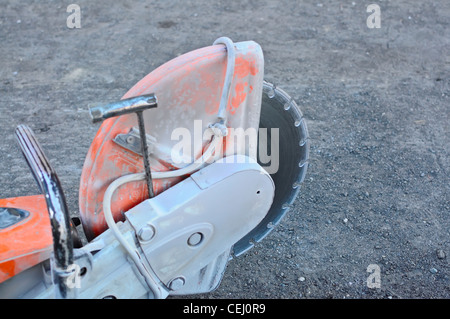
point(50, 186)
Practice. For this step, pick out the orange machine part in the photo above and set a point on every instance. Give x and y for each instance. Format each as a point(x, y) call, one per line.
point(188, 88)
point(27, 242)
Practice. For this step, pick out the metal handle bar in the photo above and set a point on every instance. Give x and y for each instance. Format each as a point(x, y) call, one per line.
point(50, 186)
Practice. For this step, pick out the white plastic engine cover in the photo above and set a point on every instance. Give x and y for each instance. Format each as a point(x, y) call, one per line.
point(219, 205)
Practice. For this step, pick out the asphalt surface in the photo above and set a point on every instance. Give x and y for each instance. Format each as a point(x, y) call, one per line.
point(376, 101)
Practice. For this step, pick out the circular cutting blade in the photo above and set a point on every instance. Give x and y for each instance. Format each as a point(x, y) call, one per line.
point(280, 112)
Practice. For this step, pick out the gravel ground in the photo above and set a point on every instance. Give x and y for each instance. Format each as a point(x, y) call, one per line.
point(376, 103)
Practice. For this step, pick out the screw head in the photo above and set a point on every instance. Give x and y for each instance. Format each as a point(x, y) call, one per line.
point(176, 283)
point(146, 233)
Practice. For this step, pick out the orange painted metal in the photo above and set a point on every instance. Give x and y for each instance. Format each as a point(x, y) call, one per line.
point(188, 88)
point(28, 242)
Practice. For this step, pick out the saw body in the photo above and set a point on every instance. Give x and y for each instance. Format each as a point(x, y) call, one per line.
point(189, 90)
point(183, 174)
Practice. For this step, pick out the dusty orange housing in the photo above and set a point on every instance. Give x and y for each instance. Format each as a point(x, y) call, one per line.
point(27, 242)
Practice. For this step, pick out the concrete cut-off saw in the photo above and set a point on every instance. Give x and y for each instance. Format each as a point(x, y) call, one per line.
point(197, 163)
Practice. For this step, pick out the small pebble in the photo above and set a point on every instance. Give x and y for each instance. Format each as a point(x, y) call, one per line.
point(433, 270)
point(440, 254)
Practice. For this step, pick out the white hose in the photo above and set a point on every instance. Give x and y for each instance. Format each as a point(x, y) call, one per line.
point(132, 252)
point(231, 57)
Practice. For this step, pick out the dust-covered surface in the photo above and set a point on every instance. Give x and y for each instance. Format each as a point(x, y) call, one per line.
point(376, 103)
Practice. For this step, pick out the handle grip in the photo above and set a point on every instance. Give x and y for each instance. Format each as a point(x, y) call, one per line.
point(126, 106)
point(50, 186)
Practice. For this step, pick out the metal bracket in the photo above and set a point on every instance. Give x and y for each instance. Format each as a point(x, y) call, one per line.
point(132, 141)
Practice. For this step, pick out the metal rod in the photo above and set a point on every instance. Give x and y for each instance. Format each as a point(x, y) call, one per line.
point(126, 106)
point(50, 185)
point(148, 173)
